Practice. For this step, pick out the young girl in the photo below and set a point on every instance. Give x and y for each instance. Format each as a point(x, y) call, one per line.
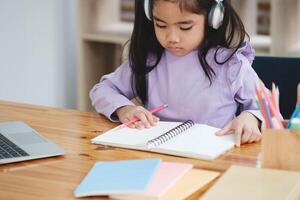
point(192, 56)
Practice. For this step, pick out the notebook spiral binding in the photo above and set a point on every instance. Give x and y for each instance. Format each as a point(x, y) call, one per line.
point(170, 134)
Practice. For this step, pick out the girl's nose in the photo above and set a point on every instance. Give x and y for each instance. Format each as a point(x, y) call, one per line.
point(172, 37)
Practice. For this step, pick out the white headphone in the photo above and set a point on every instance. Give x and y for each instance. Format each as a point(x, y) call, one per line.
point(146, 8)
point(215, 16)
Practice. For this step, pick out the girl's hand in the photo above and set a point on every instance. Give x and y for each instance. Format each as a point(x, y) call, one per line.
point(127, 113)
point(245, 128)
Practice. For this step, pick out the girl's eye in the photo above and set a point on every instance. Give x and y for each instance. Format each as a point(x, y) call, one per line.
point(186, 28)
point(160, 26)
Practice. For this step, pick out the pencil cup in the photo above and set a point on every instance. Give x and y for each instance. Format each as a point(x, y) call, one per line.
point(281, 149)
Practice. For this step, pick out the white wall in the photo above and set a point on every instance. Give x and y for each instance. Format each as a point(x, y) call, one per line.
point(37, 52)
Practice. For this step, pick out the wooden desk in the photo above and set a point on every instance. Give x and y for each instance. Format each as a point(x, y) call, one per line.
point(57, 177)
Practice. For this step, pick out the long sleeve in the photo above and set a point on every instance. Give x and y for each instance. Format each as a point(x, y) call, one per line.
point(244, 80)
point(244, 90)
point(113, 91)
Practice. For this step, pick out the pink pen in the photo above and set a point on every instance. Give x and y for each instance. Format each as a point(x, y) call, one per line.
point(152, 111)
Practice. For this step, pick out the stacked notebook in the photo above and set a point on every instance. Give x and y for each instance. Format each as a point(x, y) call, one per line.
point(143, 179)
point(185, 139)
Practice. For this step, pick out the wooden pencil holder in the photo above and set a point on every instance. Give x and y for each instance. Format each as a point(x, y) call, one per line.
point(281, 149)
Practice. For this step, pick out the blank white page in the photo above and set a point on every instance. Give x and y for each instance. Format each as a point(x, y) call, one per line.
point(129, 136)
point(199, 141)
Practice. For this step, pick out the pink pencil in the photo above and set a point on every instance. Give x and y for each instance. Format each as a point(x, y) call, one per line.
point(275, 112)
point(272, 107)
point(152, 111)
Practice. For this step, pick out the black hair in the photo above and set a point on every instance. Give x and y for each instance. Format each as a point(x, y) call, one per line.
point(143, 43)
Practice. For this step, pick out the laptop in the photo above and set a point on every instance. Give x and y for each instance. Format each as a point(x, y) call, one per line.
point(19, 142)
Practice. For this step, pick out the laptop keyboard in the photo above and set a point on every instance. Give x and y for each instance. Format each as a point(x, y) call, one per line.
point(9, 149)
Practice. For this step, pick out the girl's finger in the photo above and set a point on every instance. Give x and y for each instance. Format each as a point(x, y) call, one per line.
point(247, 132)
point(132, 125)
point(139, 125)
point(143, 119)
point(257, 134)
point(156, 120)
point(226, 130)
point(149, 115)
point(238, 134)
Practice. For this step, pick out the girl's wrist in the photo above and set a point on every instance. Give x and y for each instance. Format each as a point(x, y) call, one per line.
point(121, 109)
point(253, 116)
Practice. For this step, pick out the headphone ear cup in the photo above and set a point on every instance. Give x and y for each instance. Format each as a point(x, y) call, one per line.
point(216, 15)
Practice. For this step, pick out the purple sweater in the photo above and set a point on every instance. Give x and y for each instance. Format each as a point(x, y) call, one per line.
point(181, 83)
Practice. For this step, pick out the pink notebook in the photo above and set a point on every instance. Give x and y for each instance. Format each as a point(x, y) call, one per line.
point(168, 173)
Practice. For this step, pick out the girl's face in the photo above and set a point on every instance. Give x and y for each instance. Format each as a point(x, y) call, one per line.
point(177, 30)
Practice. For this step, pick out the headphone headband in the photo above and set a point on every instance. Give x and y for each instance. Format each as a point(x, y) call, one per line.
point(215, 16)
point(146, 8)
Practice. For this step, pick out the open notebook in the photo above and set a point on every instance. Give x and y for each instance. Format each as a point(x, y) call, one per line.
point(175, 138)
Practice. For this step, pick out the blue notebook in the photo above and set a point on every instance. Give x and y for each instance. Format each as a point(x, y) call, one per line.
point(118, 177)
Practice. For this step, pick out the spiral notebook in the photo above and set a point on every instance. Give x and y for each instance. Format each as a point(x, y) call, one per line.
point(185, 139)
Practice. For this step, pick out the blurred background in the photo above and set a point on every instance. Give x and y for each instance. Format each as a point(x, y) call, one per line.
point(53, 51)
